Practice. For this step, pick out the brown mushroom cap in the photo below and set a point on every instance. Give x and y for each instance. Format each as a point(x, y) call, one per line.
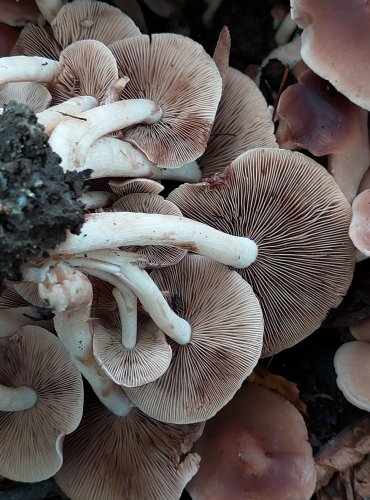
point(292, 208)
point(255, 448)
point(131, 367)
point(91, 20)
point(116, 458)
point(155, 255)
point(329, 29)
point(35, 95)
point(18, 13)
point(176, 73)
point(31, 440)
point(86, 68)
point(226, 337)
point(351, 362)
point(242, 122)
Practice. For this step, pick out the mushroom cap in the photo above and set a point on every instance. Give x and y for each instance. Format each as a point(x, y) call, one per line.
point(255, 448)
point(137, 185)
point(131, 367)
point(86, 68)
point(226, 338)
point(292, 208)
point(154, 255)
point(242, 122)
point(359, 230)
point(35, 40)
point(351, 362)
point(329, 29)
point(91, 20)
point(177, 74)
point(35, 95)
point(18, 13)
point(315, 116)
point(31, 440)
point(127, 457)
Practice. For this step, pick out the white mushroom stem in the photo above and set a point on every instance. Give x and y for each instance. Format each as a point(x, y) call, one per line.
point(49, 8)
point(27, 69)
point(61, 112)
point(109, 157)
point(72, 138)
point(17, 398)
point(127, 306)
point(119, 229)
point(73, 325)
point(138, 280)
point(285, 30)
point(97, 199)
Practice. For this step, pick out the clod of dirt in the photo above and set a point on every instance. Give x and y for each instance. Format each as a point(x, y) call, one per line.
point(38, 201)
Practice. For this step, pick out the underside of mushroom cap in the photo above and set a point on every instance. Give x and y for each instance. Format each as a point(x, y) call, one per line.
point(31, 440)
point(87, 67)
point(226, 338)
point(91, 20)
point(177, 74)
point(117, 458)
point(35, 95)
point(146, 362)
point(242, 122)
point(294, 211)
point(329, 29)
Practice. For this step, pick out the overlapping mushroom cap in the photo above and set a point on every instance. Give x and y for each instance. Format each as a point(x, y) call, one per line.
point(226, 339)
point(177, 74)
point(328, 48)
point(31, 440)
point(291, 207)
point(117, 458)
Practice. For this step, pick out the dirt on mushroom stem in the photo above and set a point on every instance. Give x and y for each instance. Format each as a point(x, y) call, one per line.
point(38, 201)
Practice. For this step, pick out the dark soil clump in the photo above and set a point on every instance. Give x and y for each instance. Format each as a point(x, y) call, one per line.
point(38, 200)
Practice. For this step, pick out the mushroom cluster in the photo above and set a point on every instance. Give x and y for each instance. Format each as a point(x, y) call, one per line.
point(162, 306)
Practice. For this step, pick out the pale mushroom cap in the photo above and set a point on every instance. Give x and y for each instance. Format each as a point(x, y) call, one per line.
point(117, 458)
point(131, 367)
point(91, 20)
point(361, 330)
point(35, 95)
point(226, 337)
point(242, 122)
point(359, 230)
point(86, 68)
point(294, 211)
point(137, 185)
point(255, 448)
point(329, 29)
point(352, 364)
point(155, 255)
point(176, 73)
point(31, 440)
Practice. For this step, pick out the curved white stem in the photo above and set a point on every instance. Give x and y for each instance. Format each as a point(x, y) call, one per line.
point(139, 281)
point(118, 229)
point(17, 398)
point(50, 117)
point(110, 157)
point(127, 306)
point(74, 329)
point(27, 69)
point(72, 139)
point(49, 8)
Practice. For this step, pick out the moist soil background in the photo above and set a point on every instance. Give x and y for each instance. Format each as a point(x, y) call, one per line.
point(310, 363)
